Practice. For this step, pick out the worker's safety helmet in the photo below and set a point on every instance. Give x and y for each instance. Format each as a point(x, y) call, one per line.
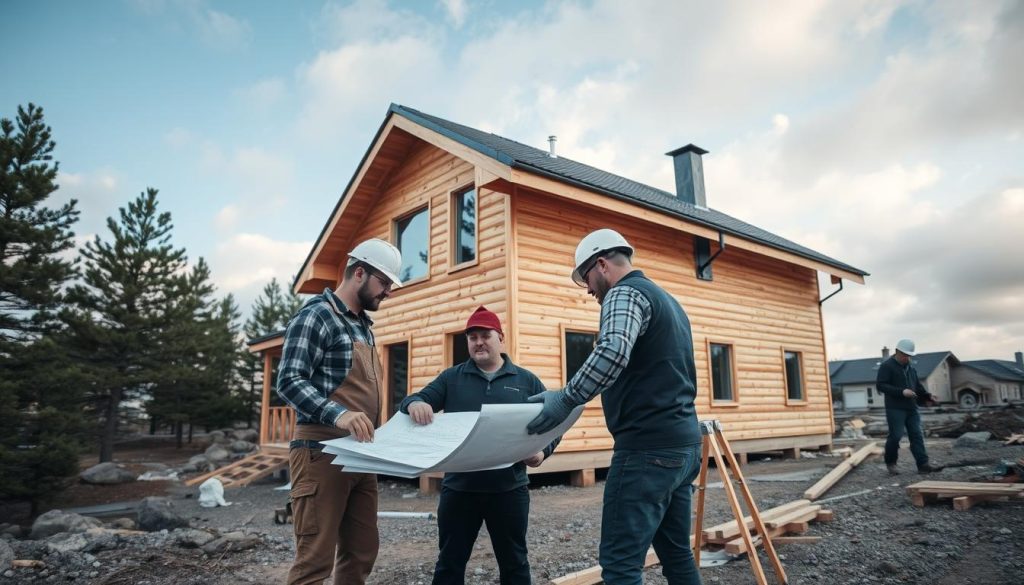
point(592, 246)
point(381, 255)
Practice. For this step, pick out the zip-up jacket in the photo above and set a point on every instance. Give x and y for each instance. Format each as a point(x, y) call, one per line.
point(464, 388)
point(893, 378)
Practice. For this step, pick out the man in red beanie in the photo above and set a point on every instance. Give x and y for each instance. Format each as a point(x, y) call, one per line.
point(498, 497)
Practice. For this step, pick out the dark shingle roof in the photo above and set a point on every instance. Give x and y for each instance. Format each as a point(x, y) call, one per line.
point(998, 369)
point(517, 155)
point(865, 371)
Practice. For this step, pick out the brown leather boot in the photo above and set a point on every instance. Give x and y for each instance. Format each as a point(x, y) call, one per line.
point(892, 469)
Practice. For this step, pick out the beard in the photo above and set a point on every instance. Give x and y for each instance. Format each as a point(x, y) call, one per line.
point(366, 300)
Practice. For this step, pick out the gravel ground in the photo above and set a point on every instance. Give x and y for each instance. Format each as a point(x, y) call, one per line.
point(877, 537)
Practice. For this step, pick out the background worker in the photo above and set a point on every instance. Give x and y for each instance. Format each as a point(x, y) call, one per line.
point(498, 497)
point(898, 381)
point(643, 364)
point(330, 374)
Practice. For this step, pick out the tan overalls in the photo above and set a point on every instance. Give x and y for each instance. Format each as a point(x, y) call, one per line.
point(335, 513)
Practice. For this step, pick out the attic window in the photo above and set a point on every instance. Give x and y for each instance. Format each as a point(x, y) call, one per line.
point(702, 257)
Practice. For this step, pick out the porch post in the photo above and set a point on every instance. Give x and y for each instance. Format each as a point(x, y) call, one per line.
point(265, 403)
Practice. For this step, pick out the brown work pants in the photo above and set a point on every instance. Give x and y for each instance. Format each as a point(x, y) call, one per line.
point(335, 517)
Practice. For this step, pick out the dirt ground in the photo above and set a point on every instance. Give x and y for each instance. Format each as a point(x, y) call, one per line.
point(877, 537)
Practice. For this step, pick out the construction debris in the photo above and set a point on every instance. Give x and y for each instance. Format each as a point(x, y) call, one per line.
point(839, 471)
point(790, 518)
point(964, 494)
point(1015, 439)
point(1003, 424)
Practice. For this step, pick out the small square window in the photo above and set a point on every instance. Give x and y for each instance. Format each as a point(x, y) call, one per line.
point(578, 347)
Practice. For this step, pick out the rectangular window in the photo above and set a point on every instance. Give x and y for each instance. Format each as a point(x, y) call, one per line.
point(578, 347)
point(794, 376)
point(398, 375)
point(412, 238)
point(721, 372)
point(464, 226)
point(459, 348)
point(701, 255)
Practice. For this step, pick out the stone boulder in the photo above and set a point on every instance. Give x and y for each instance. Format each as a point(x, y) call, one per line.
point(242, 446)
point(972, 439)
point(217, 452)
point(156, 513)
point(67, 542)
point(198, 463)
point(192, 537)
point(231, 542)
point(56, 521)
point(12, 530)
point(6, 556)
point(217, 437)
point(108, 473)
point(248, 435)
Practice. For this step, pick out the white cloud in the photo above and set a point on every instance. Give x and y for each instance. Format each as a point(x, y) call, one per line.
point(263, 95)
point(218, 29)
point(226, 218)
point(456, 11)
point(99, 194)
point(245, 262)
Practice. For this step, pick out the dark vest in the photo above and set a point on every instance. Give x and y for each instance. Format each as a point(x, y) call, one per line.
point(650, 406)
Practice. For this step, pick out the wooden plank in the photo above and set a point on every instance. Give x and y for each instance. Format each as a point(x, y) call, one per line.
point(840, 471)
point(592, 576)
point(729, 530)
point(798, 515)
point(582, 478)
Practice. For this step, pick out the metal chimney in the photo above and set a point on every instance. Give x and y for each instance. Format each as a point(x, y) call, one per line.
point(885, 352)
point(551, 146)
point(1019, 358)
point(689, 174)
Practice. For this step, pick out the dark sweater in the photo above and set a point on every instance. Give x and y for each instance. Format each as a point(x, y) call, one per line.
point(893, 378)
point(650, 405)
point(465, 388)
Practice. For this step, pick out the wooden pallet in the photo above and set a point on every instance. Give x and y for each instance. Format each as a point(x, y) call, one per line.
point(790, 518)
point(247, 470)
point(964, 494)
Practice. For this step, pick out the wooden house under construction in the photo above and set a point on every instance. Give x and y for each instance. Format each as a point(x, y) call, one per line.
point(484, 220)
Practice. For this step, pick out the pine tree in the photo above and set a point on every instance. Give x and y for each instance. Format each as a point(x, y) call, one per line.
point(39, 392)
point(120, 308)
point(271, 312)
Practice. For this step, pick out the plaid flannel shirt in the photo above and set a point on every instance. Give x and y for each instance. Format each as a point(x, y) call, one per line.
point(317, 357)
point(625, 314)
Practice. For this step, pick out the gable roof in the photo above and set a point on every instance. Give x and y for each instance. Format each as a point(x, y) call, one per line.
point(865, 370)
point(535, 160)
point(997, 369)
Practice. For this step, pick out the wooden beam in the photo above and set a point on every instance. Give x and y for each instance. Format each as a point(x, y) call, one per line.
point(839, 471)
point(495, 168)
point(268, 371)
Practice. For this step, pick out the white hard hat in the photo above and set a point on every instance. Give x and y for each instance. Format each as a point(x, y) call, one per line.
point(905, 346)
point(381, 255)
point(595, 243)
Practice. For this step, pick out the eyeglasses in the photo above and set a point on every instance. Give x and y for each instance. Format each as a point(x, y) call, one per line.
point(583, 273)
point(384, 281)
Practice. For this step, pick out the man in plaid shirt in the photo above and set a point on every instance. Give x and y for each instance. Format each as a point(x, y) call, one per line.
point(643, 367)
point(331, 375)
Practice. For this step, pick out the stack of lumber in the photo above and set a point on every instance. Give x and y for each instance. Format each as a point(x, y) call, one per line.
point(790, 518)
point(964, 494)
point(839, 471)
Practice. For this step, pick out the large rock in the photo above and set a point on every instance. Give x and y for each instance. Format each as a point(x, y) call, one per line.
point(217, 452)
point(67, 542)
point(157, 513)
point(198, 463)
point(6, 556)
point(248, 435)
point(192, 537)
point(56, 521)
point(217, 436)
point(242, 446)
point(232, 541)
point(972, 439)
point(12, 530)
point(107, 474)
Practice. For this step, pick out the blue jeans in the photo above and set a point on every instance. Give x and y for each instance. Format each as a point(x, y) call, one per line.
point(647, 497)
point(910, 421)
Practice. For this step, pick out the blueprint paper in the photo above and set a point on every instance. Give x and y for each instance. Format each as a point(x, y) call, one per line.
point(493, 438)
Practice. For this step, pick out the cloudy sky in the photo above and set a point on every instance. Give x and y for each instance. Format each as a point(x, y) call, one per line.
point(887, 134)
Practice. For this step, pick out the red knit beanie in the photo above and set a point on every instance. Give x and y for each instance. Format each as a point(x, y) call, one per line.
point(485, 319)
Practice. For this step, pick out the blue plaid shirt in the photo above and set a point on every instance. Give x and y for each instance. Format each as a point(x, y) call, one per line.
point(318, 356)
point(625, 314)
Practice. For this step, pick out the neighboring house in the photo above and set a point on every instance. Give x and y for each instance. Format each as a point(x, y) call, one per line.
point(854, 380)
point(989, 381)
point(482, 219)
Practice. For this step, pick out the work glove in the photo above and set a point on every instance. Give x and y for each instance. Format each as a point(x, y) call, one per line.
point(556, 409)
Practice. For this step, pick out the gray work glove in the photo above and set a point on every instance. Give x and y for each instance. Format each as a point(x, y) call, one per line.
point(556, 409)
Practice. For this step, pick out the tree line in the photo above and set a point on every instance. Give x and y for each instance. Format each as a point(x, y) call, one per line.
point(119, 332)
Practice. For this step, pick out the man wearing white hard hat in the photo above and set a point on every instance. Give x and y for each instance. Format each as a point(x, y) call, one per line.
point(898, 381)
point(330, 374)
point(643, 366)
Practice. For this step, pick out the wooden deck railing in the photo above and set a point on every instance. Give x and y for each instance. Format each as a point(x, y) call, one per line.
point(280, 425)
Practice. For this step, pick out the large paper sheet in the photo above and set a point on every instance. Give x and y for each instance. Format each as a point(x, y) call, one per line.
point(493, 438)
